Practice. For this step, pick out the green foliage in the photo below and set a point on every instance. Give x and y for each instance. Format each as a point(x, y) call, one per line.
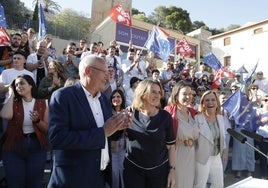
point(49, 6)
point(199, 24)
point(215, 31)
point(69, 24)
point(135, 11)
point(232, 26)
point(35, 13)
point(172, 18)
point(178, 19)
point(15, 12)
point(141, 17)
point(35, 17)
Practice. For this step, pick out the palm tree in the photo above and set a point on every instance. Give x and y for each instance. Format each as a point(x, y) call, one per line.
point(49, 6)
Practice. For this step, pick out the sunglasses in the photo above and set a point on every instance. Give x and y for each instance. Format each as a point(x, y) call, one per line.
point(194, 95)
point(254, 88)
point(265, 100)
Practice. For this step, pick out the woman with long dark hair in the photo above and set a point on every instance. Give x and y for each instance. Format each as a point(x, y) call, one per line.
point(118, 144)
point(24, 150)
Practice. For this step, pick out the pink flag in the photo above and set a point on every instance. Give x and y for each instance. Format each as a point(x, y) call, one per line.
point(183, 48)
point(4, 37)
point(120, 16)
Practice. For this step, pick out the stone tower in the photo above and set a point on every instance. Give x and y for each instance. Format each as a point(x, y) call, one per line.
point(100, 10)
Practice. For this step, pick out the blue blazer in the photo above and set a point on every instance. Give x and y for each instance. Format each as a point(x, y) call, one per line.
point(76, 139)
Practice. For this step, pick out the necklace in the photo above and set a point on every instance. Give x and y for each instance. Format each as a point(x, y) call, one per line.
point(28, 100)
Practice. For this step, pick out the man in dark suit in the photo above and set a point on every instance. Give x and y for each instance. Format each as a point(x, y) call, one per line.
point(79, 123)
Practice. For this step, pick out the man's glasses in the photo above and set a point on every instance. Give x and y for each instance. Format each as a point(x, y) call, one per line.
point(265, 100)
point(139, 54)
point(254, 88)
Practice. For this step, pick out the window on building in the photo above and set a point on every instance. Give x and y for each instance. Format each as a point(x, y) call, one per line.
point(227, 41)
point(227, 61)
point(258, 30)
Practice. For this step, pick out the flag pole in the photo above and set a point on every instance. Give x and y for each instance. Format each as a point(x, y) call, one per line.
point(130, 28)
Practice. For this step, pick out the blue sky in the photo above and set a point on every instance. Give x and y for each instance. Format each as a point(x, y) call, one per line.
point(215, 14)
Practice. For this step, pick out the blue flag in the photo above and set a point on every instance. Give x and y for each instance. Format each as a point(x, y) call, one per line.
point(242, 111)
point(158, 43)
point(3, 22)
point(42, 23)
point(250, 74)
point(212, 61)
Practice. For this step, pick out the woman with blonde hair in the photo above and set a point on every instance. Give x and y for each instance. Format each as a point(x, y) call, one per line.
point(211, 147)
point(186, 131)
point(150, 157)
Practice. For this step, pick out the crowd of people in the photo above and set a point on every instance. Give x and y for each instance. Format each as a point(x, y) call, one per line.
point(118, 122)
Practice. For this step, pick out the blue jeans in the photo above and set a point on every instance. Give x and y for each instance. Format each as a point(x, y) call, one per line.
point(25, 167)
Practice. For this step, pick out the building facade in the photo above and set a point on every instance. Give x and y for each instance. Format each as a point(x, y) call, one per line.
point(109, 30)
point(243, 46)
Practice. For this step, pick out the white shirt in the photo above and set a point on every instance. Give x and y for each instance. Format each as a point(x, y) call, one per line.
point(110, 61)
point(27, 122)
point(262, 84)
point(95, 106)
point(8, 75)
point(27, 125)
point(32, 58)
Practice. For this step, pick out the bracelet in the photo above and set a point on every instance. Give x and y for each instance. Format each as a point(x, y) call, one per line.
point(171, 167)
point(37, 121)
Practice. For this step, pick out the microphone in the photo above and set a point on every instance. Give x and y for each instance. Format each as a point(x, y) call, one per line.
point(252, 135)
point(237, 135)
point(243, 140)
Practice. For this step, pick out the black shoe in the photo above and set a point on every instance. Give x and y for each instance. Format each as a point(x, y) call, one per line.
point(238, 174)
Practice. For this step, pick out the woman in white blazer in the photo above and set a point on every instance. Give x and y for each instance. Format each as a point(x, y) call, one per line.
point(210, 150)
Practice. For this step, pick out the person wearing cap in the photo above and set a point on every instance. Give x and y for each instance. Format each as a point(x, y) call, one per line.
point(262, 83)
point(8, 75)
point(237, 80)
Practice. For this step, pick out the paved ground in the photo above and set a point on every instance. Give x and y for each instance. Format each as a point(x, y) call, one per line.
point(228, 180)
